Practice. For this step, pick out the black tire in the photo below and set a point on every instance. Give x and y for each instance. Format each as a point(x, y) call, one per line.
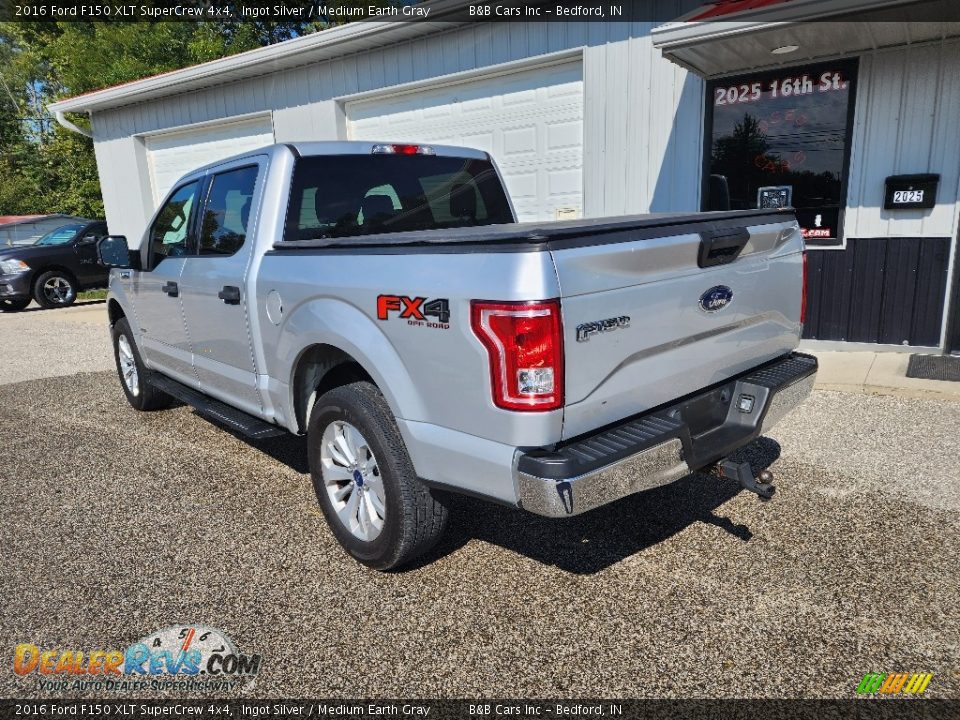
point(55, 288)
point(414, 517)
point(144, 396)
point(11, 305)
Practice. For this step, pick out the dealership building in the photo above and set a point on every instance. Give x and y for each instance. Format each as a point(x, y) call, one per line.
point(847, 110)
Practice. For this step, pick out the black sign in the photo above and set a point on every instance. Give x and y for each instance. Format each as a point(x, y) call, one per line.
point(774, 197)
point(911, 192)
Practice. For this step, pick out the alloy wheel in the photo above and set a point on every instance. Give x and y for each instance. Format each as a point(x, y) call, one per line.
point(352, 480)
point(128, 365)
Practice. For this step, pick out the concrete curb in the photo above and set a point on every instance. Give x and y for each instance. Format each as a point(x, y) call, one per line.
point(873, 373)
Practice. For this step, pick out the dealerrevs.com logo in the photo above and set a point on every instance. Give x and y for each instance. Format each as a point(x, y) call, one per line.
point(192, 658)
point(883, 684)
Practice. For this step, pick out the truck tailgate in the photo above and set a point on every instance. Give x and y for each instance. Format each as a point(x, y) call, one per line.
point(640, 328)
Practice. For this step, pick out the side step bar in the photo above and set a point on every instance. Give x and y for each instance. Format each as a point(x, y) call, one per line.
point(210, 408)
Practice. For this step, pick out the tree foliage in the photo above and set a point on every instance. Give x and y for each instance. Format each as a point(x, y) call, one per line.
point(45, 168)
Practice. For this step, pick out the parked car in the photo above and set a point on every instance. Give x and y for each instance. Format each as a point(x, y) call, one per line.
point(54, 269)
point(381, 300)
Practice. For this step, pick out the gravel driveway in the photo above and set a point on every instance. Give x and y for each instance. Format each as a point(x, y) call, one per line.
point(115, 524)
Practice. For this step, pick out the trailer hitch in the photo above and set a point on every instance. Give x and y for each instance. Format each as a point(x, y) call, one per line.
point(741, 472)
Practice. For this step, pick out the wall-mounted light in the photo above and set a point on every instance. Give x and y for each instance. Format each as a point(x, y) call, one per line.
point(785, 49)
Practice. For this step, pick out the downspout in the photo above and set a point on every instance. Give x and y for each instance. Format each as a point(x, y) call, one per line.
point(62, 119)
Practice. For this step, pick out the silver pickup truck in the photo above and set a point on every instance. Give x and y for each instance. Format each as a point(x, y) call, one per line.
point(382, 300)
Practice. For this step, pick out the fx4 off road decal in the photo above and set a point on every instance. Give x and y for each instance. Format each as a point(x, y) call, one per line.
point(415, 310)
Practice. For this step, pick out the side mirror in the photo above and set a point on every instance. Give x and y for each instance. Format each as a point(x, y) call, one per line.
point(113, 252)
point(87, 240)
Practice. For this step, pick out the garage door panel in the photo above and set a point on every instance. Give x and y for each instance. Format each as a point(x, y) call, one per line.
point(530, 121)
point(564, 135)
point(170, 156)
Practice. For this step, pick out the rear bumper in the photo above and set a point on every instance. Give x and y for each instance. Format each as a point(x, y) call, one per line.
point(664, 445)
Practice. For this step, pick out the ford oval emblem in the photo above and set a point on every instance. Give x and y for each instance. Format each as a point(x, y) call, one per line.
point(716, 299)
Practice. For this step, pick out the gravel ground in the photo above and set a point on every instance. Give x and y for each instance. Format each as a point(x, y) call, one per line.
point(115, 524)
point(40, 343)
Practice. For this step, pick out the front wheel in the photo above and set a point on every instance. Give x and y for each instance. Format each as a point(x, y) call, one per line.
point(376, 507)
point(55, 288)
point(134, 377)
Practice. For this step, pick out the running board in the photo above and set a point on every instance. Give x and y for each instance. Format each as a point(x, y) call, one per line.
point(212, 409)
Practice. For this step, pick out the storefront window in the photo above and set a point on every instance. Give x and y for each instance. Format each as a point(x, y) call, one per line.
point(783, 138)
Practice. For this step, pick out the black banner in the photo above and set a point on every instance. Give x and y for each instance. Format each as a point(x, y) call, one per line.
point(340, 11)
point(860, 709)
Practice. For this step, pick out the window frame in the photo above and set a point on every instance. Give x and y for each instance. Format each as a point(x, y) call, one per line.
point(206, 187)
point(852, 66)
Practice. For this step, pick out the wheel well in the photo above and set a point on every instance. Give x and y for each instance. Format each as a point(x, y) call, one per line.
point(322, 368)
point(48, 268)
point(114, 312)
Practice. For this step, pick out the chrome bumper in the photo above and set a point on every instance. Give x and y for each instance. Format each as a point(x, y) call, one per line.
point(602, 468)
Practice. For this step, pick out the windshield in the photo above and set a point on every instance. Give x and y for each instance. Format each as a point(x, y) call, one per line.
point(342, 195)
point(61, 235)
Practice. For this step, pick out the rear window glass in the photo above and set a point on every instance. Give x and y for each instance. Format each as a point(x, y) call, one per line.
point(343, 195)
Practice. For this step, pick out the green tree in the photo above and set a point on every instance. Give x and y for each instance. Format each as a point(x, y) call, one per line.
point(45, 168)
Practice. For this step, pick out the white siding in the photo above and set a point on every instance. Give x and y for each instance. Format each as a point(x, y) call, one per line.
point(908, 103)
point(642, 114)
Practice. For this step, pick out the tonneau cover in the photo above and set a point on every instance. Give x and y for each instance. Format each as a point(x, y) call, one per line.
point(540, 233)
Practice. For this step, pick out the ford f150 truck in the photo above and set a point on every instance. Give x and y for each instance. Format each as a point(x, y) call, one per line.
point(382, 300)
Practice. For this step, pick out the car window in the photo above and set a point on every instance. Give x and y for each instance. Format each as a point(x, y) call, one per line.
point(168, 235)
point(226, 213)
point(343, 195)
point(61, 235)
point(97, 231)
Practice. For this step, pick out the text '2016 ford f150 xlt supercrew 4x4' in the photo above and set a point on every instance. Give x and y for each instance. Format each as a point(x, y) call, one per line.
point(382, 300)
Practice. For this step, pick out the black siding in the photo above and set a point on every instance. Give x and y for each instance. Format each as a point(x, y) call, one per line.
point(878, 290)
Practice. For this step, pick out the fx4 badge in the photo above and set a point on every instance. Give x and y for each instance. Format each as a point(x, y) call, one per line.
point(415, 310)
point(585, 330)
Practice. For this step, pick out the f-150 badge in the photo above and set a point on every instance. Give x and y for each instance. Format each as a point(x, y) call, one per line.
point(585, 330)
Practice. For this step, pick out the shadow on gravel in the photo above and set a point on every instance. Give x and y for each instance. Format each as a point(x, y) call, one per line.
point(34, 308)
point(596, 540)
point(585, 543)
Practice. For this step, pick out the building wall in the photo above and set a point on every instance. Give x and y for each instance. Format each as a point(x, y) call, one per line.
point(908, 104)
point(642, 125)
point(889, 283)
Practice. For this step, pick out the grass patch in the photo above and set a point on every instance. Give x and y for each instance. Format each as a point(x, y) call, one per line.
point(93, 295)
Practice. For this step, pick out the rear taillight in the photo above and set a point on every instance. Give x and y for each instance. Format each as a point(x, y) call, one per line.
point(803, 291)
point(524, 341)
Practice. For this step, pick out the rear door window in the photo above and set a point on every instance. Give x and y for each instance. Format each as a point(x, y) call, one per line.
point(226, 213)
point(343, 195)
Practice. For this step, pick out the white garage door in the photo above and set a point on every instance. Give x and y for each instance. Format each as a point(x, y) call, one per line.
point(172, 155)
point(530, 121)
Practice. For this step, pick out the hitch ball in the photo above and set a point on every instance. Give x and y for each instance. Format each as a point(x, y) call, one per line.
point(765, 477)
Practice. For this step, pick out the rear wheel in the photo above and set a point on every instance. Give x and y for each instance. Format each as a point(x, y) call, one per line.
point(376, 507)
point(134, 377)
point(14, 305)
point(55, 288)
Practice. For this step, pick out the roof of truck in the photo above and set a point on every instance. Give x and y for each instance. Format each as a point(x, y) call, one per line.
point(340, 147)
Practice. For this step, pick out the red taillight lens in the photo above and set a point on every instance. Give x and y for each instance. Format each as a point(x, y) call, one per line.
point(803, 292)
point(525, 345)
